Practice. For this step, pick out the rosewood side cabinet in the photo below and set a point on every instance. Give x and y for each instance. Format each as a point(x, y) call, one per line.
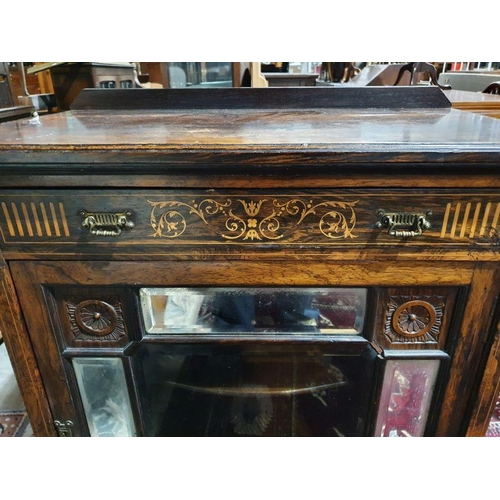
point(253, 262)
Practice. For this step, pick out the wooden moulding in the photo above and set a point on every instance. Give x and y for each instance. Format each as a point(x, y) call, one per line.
point(329, 176)
point(259, 98)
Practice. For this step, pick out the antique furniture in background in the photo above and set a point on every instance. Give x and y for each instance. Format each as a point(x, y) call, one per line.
point(70, 78)
point(194, 74)
point(290, 79)
point(33, 88)
point(337, 72)
point(278, 74)
point(275, 67)
point(416, 70)
point(11, 106)
point(245, 262)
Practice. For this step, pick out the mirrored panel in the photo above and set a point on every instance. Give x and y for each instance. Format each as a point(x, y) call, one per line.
point(494, 424)
point(253, 310)
point(406, 396)
point(105, 398)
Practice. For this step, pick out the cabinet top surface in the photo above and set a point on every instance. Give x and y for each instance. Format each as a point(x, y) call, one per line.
point(274, 127)
point(270, 128)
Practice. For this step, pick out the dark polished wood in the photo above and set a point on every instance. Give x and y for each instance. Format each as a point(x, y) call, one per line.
point(49, 225)
point(260, 99)
point(290, 79)
point(253, 188)
point(484, 405)
point(16, 112)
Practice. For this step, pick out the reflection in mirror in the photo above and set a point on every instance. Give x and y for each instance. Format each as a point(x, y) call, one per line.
point(406, 396)
point(253, 310)
point(103, 389)
point(494, 425)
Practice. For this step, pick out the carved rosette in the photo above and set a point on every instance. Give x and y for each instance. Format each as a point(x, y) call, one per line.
point(414, 319)
point(92, 320)
point(254, 220)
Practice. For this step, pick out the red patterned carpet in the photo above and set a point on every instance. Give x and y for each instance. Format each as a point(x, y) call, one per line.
point(14, 424)
point(494, 427)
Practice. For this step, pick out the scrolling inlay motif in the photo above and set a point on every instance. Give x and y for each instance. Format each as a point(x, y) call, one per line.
point(259, 220)
point(414, 319)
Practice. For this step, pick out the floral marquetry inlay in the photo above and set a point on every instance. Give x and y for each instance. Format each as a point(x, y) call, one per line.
point(414, 319)
point(96, 319)
point(234, 219)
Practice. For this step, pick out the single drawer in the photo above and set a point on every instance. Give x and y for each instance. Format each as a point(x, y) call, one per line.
point(147, 223)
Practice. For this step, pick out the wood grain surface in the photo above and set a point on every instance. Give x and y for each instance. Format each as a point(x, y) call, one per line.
point(385, 130)
point(249, 188)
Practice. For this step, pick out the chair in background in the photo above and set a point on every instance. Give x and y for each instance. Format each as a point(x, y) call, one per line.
point(492, 88)
point(416, 69)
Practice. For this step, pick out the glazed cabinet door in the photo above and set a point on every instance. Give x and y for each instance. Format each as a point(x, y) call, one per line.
point(266, 348)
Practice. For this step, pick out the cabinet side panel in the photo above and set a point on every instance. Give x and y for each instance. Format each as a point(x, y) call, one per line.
point(29, 281)
point(488, 391)
point(22, 356)
point(468, 348)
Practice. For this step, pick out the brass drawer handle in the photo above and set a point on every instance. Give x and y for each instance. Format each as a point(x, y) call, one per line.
point(404, 224)
point(106, 224)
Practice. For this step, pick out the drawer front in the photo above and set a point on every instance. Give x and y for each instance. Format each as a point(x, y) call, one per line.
point(143, 222)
